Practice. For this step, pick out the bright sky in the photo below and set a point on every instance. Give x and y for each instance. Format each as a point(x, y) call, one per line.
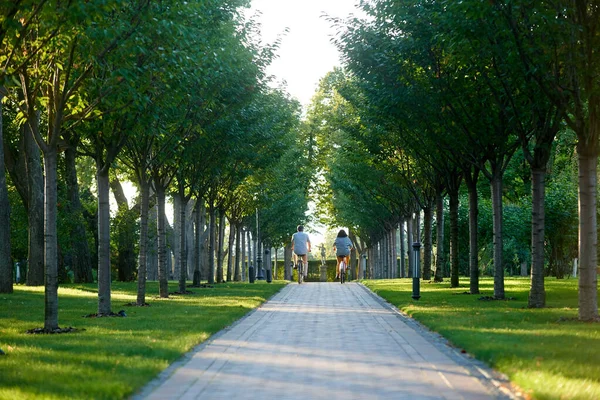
point(306, 53)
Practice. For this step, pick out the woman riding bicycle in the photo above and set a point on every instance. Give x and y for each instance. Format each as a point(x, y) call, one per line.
point(342, 247)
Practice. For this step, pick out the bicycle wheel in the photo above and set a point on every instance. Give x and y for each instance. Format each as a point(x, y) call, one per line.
point(300, 271)
point(342, 272)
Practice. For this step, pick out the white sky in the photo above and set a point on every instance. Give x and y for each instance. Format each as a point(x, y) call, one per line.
point(306, 53)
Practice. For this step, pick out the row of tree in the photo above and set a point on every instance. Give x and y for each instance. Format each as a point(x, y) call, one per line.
point(172, 96)
point(438, 96)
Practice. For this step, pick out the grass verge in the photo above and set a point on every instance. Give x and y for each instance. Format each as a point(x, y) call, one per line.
point(546, 352)
point(113, 357)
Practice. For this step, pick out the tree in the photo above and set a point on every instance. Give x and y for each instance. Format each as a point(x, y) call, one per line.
point(6, 268)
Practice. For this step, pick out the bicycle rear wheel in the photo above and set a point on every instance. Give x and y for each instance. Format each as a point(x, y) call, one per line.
point(342, 272)
point(300, 271)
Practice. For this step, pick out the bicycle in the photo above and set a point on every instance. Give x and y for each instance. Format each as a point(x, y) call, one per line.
point(300, 269)
point(343, 268)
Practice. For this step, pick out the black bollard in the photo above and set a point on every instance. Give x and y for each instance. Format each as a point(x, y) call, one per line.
point(416, 271)
point(251, 274)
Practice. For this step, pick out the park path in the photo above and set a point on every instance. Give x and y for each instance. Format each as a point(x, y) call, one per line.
point(325, 341)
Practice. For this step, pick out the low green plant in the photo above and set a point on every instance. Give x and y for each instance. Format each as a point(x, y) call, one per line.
point(547, 352)
point(110, 357)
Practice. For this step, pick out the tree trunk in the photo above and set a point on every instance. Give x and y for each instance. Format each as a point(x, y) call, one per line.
point(163, 277)
point(409, 238)
point(402, 251)
point(250, 253)
point(230, 252)
point(454, 281)
point(200, 212)
point(497, 227)
point(371, 262)
point(392, 253)
point(6, 268)
point(417, 226)
point(537, 293)
point(50, 241)
point(220, 247)
point(190, 241)
point(182, 242)
point(142, 259)
point(471, 181)
point(35, 212)
point(81, 259)
point(124, 230)
point(211, 243)
point(178, 206)
point(104, 270)
point(427, 239)
point(238, 246)
point(152, 258)
point(588, 236)
point(440, 259)
point(243, 267)
point(353, 264)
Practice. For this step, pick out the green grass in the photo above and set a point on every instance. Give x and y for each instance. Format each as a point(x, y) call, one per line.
point(113, 357)
point(543, 351)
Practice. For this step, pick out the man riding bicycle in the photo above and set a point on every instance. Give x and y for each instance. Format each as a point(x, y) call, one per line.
point(301, 247)
point(342, 247)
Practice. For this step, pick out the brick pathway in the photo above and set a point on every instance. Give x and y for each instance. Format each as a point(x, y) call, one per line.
point(325, 341)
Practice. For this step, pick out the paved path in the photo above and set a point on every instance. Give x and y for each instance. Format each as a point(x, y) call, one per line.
point(324, 341)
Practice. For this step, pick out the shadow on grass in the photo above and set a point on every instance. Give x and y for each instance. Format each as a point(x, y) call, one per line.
point(112, 357)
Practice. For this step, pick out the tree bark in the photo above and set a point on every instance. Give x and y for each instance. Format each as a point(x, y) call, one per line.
point(471, 181)
point(125, 233)
point(427, 239)
point(440, 259)
point(250, 253)
point(402, 251)
point(237, 276)
point(190, 241)
point(6, 267)
point(220, 246)
point(198, 242)
point(454, 281)
point(243, 267)
point(104, 270)
point(24, 166)
point(142, 259)
point(163, 277)
point(35, 209)
point(81, 259)
point(537, 293)
point(409, 237)
point(353, 267)
point(496, 185)
point(50, 241)
point(152, 258)
point(588, 236)
point(230, 252)
point(182, 241)
point(211, 243)
point(177, 232)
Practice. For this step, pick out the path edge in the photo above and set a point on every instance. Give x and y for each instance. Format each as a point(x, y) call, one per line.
point(496, 381)
point(166, 373)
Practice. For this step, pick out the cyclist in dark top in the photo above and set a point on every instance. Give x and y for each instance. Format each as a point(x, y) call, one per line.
point(342, 247)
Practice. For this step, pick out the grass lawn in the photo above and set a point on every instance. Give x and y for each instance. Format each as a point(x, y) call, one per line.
point(544, 351)
point(113, 357)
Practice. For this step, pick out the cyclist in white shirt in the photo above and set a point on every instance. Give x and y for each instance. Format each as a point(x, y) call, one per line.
point(301, 247)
